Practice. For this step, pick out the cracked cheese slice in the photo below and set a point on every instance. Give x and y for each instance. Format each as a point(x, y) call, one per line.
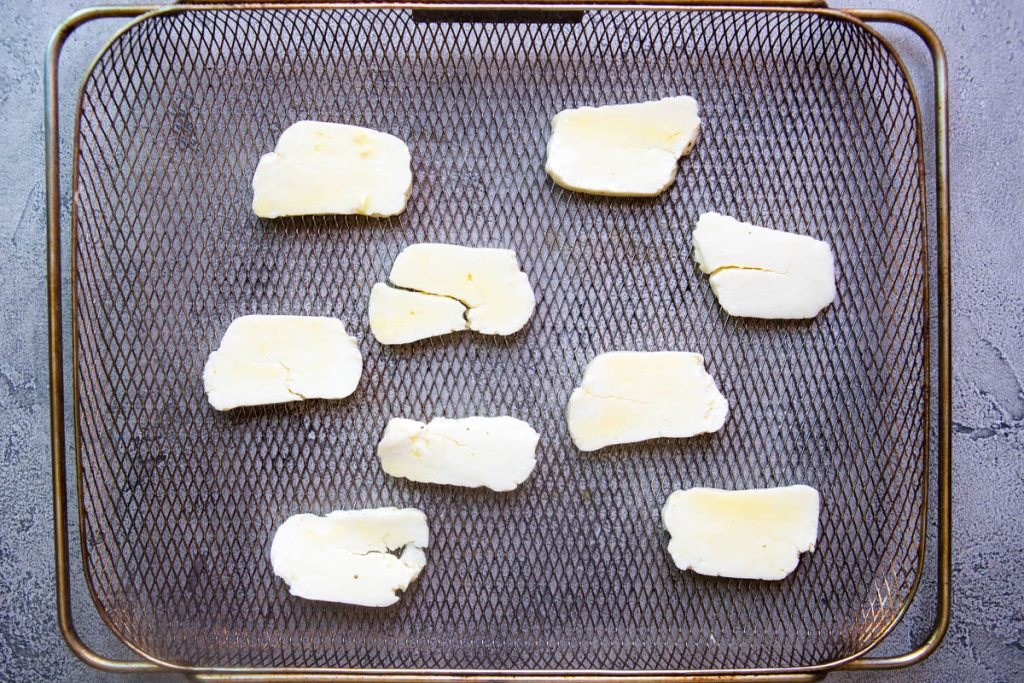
point(751, 534)
point(266, 359)
point(762, 273)
point(496, 452)
point(628, 150)
point(398, 316)
point(332, 168)
point(630, 396)
point(488, 282)
point(359, 557)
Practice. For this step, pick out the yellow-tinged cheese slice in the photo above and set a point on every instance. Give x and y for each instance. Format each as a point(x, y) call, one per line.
point(488, 282)
point(332, 168)
point(622, 149)
point(265, 359)
point(359, 557)
point(749, 534)
point(496, 452)
point(757, 272)
point(629, 396)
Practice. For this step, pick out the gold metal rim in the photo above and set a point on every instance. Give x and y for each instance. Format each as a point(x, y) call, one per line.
point(138, 14)
point(944, 519)
point(55, 324)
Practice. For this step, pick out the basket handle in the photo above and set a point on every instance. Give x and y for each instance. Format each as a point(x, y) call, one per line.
point(538, 4)
point(944, 522)
point(56, 363)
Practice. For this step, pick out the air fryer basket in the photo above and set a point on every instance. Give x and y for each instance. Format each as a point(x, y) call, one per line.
point(809, 123)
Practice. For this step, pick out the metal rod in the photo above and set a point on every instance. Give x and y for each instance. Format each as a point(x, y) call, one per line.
point(55, 323)
point(299, 677)
point(782, 4)
point(945, 481)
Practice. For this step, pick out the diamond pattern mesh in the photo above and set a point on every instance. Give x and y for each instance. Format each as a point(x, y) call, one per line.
point(809, 124)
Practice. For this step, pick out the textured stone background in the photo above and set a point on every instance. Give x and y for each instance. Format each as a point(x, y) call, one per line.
point(985, 42)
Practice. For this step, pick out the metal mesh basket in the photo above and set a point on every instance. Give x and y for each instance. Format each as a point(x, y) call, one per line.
point(809, 123)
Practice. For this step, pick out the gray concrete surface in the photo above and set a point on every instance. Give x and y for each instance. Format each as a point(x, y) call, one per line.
point(986, 640)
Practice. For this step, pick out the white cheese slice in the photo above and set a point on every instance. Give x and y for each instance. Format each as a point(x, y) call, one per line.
point(350, 555)
point(332, 168)
point(399, 316)
point(266, 359)
point(622, 149)
point(752, 534)
point(631, 396)
point(487, 281)
point(762, 273)
point(496, 452)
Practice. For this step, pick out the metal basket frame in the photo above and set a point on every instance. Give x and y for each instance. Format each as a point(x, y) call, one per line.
point(942, 522)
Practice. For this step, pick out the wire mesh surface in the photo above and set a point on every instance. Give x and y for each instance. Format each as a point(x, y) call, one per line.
point(808, 125)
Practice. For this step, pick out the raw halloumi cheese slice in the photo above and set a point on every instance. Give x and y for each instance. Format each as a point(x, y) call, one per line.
point(622, 149)
point(358, 557)
point(757, 272)
point(399, 316)
point(488, 282)
point(751, 534)
point(332, 168)
point(496, 452)
point(629, 396)
point(266, 359)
